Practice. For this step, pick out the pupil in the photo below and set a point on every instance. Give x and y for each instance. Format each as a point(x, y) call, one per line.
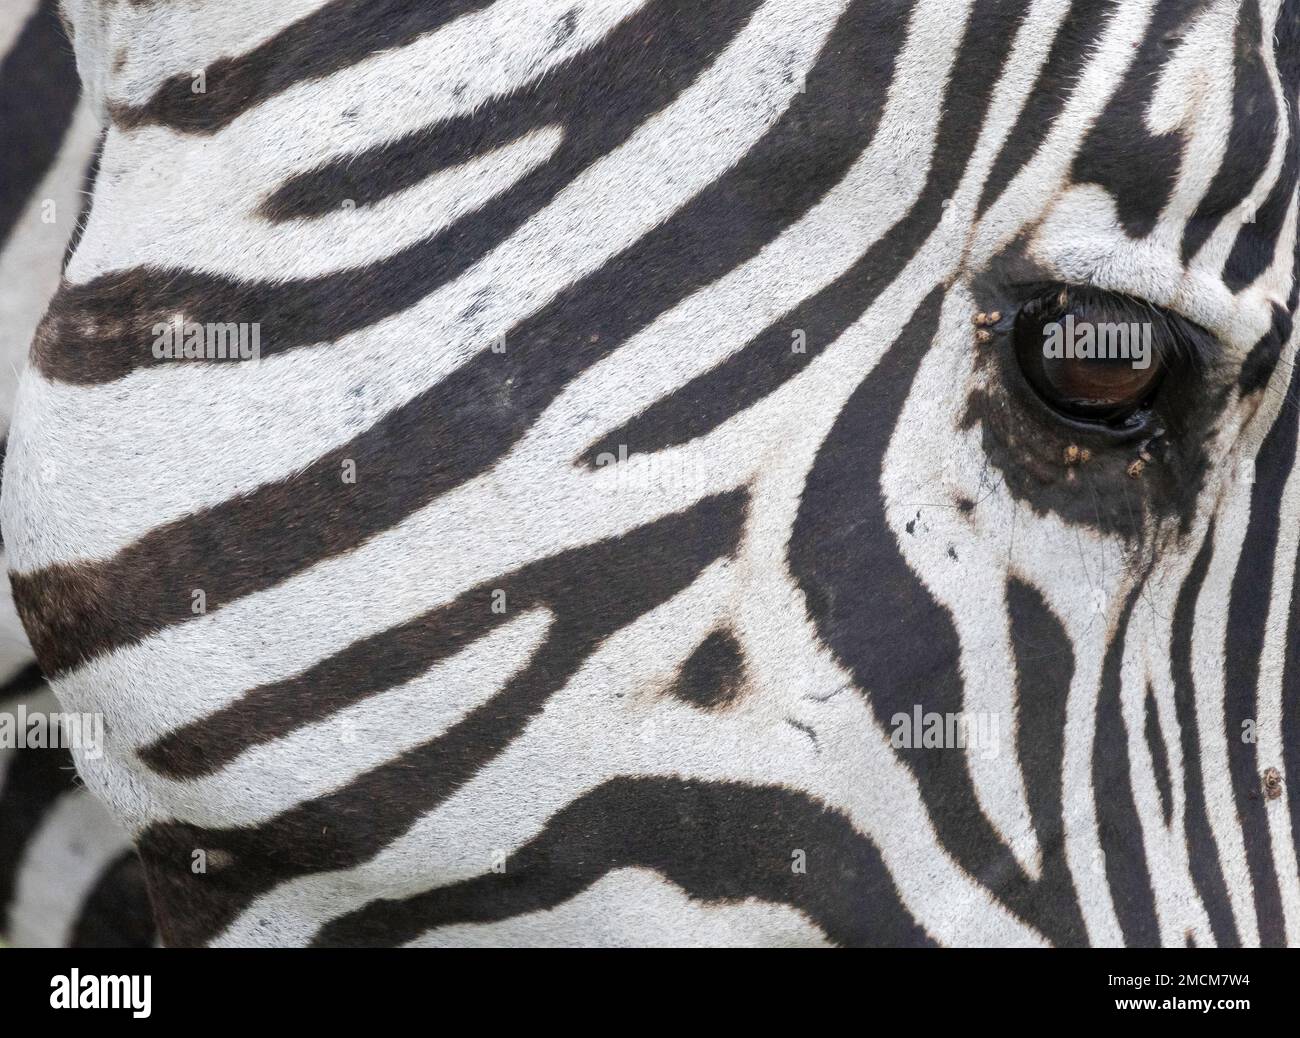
point(1084, 367)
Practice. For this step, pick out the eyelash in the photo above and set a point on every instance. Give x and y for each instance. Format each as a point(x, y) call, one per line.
point(1114, 393)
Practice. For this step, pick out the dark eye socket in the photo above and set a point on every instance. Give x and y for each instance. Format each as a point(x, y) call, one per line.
point(1097, 357)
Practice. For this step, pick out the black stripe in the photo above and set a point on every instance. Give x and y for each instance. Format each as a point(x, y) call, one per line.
point(102, 330)
point(1044, 670)
point(713, 676)
point(1202, 852)
point(1159, 755)
point(1140, 176)
point(25, 681)
point(1261, 361)
point(326, 41)
point(34, 780)
point(38, 94)
point(1119, 829)
point(1257, 243)
point(599, 97)
point(872, 611)
point(1254, 121)
point(605, 587)
point(116, 913)
point(1248, 607)
point(720, 842)
point(765, 363)
point(464, 425)
point(1074, 46)
point(374, 664)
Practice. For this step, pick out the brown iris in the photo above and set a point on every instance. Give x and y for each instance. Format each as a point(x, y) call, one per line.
point(1084, 366)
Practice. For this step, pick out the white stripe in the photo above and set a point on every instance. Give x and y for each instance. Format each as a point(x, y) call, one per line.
point(12, 19)
point(612, 719)
point(76, 841)
point(186, 222)
point(33, 252)
point(1207, 667)
point(1272, 661)
point(1214, 253)
point(1177, 905)
point(637, 907)
point(205, 189)
point(328, 755)
point(307, 401)
point(1158, 603)
point(1027, 195)
point(159, 40)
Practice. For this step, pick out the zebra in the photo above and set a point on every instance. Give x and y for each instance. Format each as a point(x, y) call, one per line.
point(68, 875)
point(651, 449)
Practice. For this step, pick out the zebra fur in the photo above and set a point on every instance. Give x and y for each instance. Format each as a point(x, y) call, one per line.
point(491, 247)
point(68, 875)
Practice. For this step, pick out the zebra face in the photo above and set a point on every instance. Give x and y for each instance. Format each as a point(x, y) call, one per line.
point(675, 429)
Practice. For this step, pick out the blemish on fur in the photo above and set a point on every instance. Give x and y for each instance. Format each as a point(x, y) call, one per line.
point(564, 29)
point(1271, 780)
point(218, 858)
point(812, 735)
point(819, 696)
point(475, 306)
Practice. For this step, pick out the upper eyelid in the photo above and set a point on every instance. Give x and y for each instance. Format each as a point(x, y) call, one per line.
point(1189, 341)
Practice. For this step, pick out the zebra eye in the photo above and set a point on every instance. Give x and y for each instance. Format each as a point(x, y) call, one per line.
point(1089, 356)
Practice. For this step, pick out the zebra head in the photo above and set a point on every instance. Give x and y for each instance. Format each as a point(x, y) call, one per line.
point(816, 470)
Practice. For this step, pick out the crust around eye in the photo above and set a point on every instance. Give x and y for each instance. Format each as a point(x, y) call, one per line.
point(1092, 404)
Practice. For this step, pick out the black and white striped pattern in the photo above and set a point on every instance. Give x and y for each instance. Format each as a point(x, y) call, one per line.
point(388, 653)
point(68, 875)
